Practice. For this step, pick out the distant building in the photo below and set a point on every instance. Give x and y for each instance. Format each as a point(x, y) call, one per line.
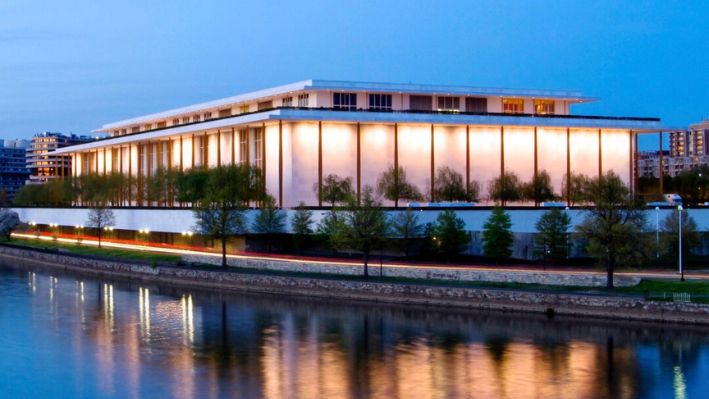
point(693, 142)
point(44, 166)
point(13, 169)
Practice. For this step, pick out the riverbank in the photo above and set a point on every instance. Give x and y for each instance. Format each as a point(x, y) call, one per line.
point(575, 304)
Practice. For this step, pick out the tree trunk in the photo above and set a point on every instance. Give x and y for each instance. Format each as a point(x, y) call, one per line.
point(99, 236)
point(365, 254)
point(610, 265)
point(224, 251)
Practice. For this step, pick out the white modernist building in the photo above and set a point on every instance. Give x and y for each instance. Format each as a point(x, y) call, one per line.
point(301, 132)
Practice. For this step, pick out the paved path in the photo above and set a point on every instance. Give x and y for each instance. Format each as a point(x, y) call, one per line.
point(164, 248)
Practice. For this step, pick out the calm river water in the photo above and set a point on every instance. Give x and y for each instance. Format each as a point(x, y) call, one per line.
point(67, 336)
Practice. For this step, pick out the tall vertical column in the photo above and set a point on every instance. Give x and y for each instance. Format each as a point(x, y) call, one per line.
point(536, 160)
point(600, 153)
point(396, 158)
point(433, 165)
point(280, 164)
point(263, 153)
point(319, 163)
point(193, 150)
point(635, 161)
point(502, 152)
point(568, 166)
point(467, 158)
point(233, 146)
point(359, 160)
point(219, 148)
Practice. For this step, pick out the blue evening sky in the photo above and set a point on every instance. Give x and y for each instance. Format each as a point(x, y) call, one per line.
point(71, 66)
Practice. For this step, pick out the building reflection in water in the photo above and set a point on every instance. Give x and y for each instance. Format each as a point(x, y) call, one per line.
point(205, 345)
point(144, 313)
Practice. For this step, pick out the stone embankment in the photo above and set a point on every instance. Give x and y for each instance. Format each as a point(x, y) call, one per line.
point(569, 279)
point(616, 307)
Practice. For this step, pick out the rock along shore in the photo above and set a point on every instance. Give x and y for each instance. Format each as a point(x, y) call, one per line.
point(614, 307)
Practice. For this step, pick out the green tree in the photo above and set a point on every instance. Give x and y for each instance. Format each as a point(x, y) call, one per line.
point(539, 189)
point(448, 234)
point(551, 239)
point(227, 192)
point(301, 225)
point(269, 221)
point(100, 217)
point(394, 186)
point(405, 226)
point(192, 184)
point(449, 186)
point(335, 190)
point(614, 225)
point(505, 188)
point(691, 239)
point(574, 190)
point(365, 224)
point(8, 222)
point(497, 235)
point(330, 229)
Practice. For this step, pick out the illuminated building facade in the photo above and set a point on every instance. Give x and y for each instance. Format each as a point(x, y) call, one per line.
point(299, 133)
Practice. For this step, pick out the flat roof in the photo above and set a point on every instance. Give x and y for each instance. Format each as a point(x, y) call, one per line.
point(341, 85)
point(636, 124)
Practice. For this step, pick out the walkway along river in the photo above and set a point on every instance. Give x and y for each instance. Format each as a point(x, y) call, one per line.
point(593, 305)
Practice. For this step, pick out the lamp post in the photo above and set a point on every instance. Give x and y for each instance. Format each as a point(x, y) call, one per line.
point(79, 228)
point(679, 216)
point(657, 233)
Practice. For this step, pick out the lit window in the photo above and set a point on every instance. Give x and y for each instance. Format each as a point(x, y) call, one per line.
point(303, 99)
point(448, 103)
point(287, 102)
point(512, 105)
point(243, 109)
point(258, 141)
point(344, 101)
point(543, 107)
point(380, 102)
point(264, 105)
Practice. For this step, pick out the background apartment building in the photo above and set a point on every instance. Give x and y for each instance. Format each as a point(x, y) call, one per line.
point(13, 168)
point(44, 166)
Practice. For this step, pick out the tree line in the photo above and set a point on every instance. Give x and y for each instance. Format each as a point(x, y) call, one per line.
point(692, 185)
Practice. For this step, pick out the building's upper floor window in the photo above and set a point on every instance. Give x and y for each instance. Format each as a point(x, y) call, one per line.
point(175, 121)
point(476, 104)
point(264, 105)
point(513, 105)
point(344, 101)
point(135, 129)
point(421, 103)
point(223, 113)
point(195, 118)
point(162, 124)
point(244, 109)
point(185, 119)
point(207, 116)
point(543, 107)
point(303, 99)
point(448, 103)
point(287, 102)
point(380, 102)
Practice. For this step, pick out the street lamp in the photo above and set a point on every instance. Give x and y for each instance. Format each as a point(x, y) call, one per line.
point(679, 216)
point(79, 228)
point(657, 233)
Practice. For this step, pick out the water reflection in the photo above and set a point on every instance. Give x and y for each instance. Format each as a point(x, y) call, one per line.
point(194, 344)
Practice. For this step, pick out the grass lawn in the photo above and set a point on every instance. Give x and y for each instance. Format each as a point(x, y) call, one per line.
point(114, 253)
point(669, 286)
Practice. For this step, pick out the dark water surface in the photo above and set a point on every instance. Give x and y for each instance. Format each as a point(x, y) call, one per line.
point(68, 336)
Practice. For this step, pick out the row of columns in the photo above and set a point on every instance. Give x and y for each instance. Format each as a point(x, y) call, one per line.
point(633, 156)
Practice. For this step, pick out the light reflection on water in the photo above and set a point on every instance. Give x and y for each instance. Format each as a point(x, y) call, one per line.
point(76, 337)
